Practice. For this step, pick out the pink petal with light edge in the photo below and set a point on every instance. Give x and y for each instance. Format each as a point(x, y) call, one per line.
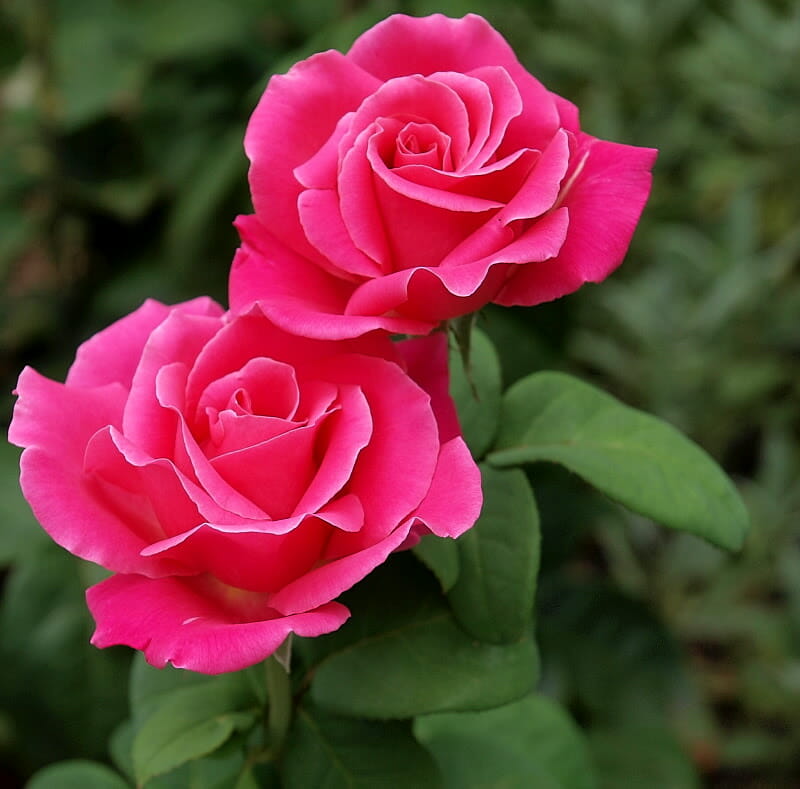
point(179, 338)
point(273, 281)
point(491, 109)
point(176, 621)
point(455, 498)
point(350, 430)
point(412, 98)
point(357, 204)
point(403, 45)
point(404, 443)
point(254, 561)
point(427, 363)
point(432, 194)
point(61, 419)
point(70, 510)
point(329, 581)
point(295, 116)
point(269, 386)
point(420, 234)
point(112, 355)
point(604, 205)
point(452, 290)
point(491, 186)
point(325, 229)
point(321, 170)
point(166, 508)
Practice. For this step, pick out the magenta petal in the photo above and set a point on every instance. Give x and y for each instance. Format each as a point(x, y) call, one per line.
point(42, 405)
point(74, 515)
point(404, 436)
point(427, 363)
point(325, 229)
point(455, 498)
point(252, 560)
point(273, 474)
point(349, 431)
point(329, 581)
point(403, 45)
point(178, 339)
point(298, 112)
point(112, 355)
point(301, 298)
point(175, 621)
point(605, 194)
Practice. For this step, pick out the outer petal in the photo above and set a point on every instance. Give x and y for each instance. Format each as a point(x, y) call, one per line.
point(112, 355)
point(427, 363)
point(296, 115)
point(299, 296)
point(455, 497)
point(330, 580)
point(604, 193)
point(176, 621)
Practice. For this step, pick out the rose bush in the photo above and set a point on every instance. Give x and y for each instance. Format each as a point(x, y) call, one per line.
point(236, 479)
point(420, 176)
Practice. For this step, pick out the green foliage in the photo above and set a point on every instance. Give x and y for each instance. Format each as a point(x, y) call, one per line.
point(334, 752)
point(119, 175)
point(636, 459)
point(530, 742)
point(499, 561)
point(397, 658)
point(76, 774)
point(475, 386)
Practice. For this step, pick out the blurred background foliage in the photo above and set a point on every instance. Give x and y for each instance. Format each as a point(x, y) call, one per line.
point(121, 169)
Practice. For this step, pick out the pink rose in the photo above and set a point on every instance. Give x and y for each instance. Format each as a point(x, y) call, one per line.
point(236, 479)
point(420, 176)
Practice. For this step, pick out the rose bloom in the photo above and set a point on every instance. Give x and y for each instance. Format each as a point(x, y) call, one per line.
point(237, 479)
point(420, 176)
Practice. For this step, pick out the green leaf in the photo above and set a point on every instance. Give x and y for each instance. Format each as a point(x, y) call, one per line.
point(531, 742)
point(20, 532)
point(333, 752)
point(189, 723)
point(476, 391)
point(499, 560)
point(440, 556)
point(403, 654)
point(148, 685)
point(640, 758)
point(634, 458)
point(76, 774)
point(62, 696)
point(607, 653)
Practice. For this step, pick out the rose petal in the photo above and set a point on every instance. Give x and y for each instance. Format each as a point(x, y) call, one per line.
point(325, 229)
point(349, 431)
point(296, 295)
point(403, 45)
point(71, 510)
point(297, 113)
point(329, 581)
point(42, 404)
point(176, 621)
point(404, 436)
point(454, 500)
point(111, 355)
point(604, 203)
point(426, 361)
point(179, 338)
point(274, 473)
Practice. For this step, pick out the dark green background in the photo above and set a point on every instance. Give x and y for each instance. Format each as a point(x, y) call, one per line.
point(121, 169)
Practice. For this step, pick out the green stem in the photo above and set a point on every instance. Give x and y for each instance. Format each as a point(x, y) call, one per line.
point(279, 714)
